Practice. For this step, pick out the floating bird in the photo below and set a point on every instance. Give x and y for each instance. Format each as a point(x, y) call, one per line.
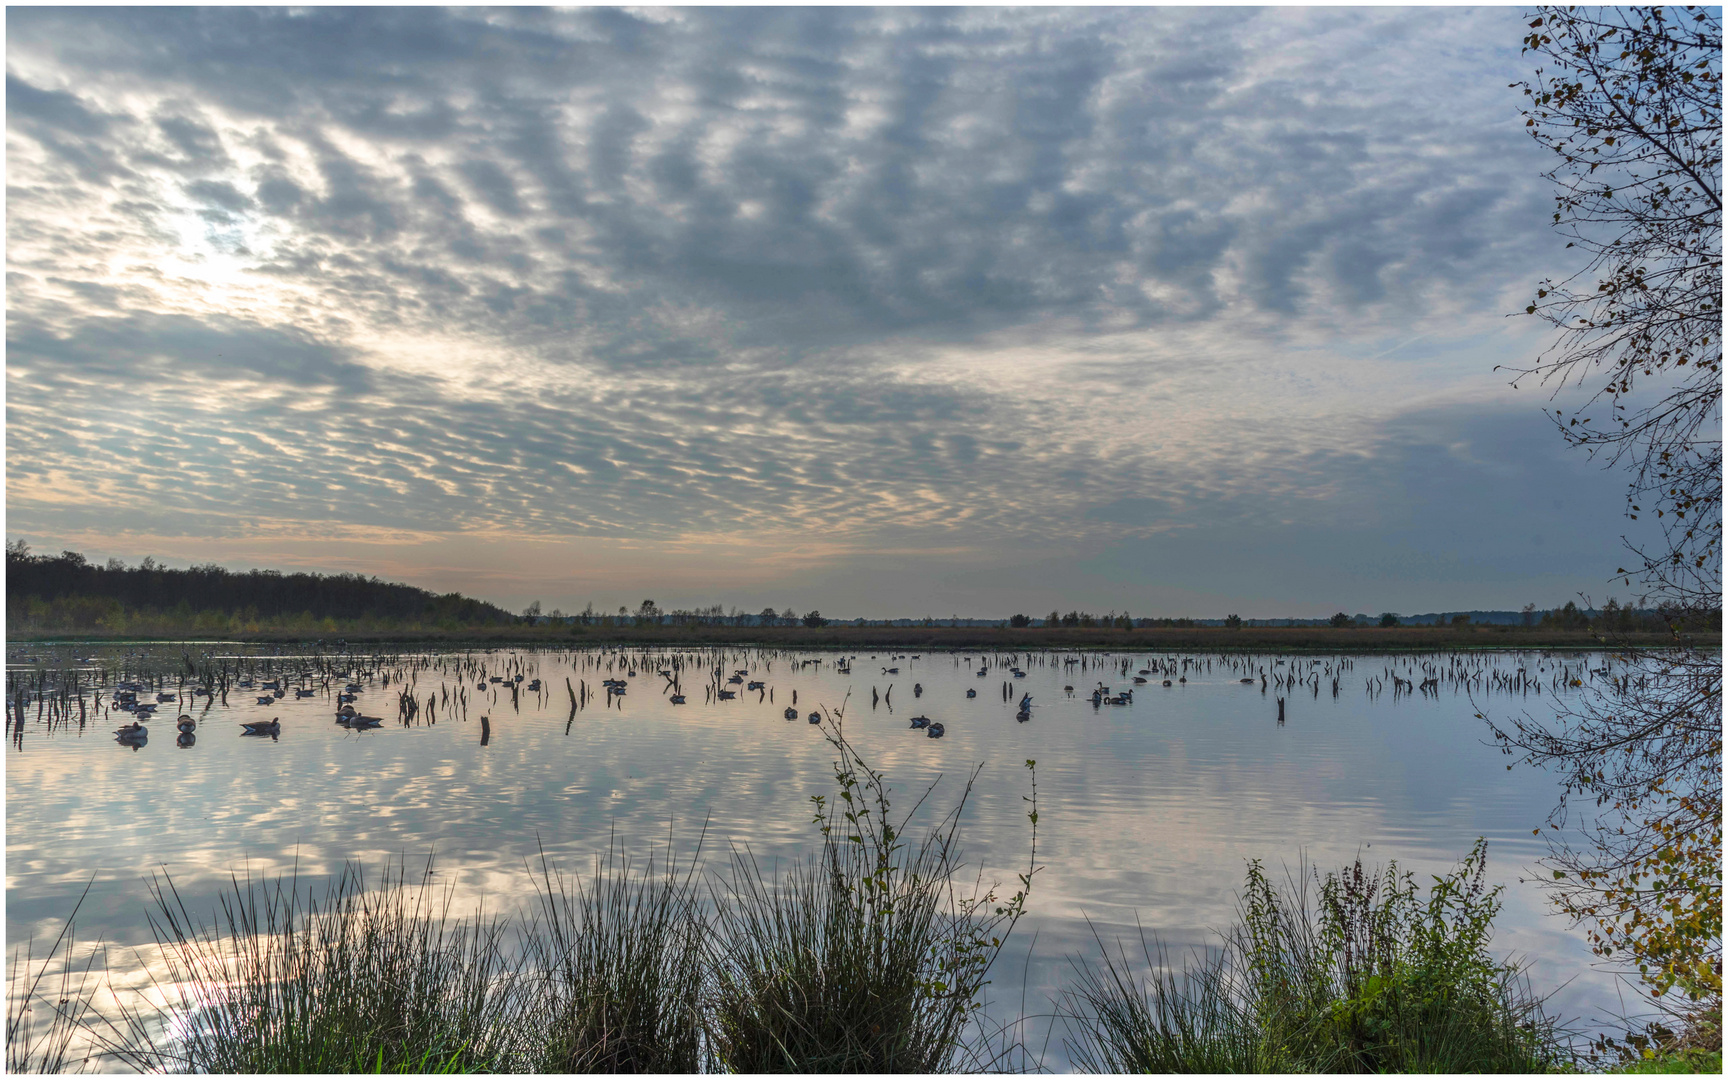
point(920, 721)
point(971, 693)
point(272, 726)
point(935, 731)
point(791, 713)
point(185, 723)
point(815, 718)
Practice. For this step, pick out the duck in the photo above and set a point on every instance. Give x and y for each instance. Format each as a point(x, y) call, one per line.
point(186, 723)
point(132, 730)
point(920, 721)
point(815, 718)
point(677, 699)
point(266, 699)
point(304, 693)
point(791, 713)
point(272, 726)
point(935, 731)
point(971, 693)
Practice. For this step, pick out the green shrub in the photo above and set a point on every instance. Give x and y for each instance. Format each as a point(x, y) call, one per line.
point(1356, 972)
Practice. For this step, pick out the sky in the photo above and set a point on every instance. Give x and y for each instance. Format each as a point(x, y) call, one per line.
point(884, 313)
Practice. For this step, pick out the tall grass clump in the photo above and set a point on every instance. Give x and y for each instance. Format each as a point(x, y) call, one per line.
point(621, 964)
point(1356, 972)
point(380, 979)
point(867, 957)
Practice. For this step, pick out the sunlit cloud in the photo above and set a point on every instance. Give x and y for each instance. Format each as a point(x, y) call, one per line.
point(790, 287)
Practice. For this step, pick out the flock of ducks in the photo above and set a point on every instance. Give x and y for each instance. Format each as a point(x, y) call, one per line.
point(136, 734)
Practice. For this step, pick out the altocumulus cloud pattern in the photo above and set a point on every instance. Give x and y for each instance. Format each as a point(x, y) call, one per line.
point(977, 280)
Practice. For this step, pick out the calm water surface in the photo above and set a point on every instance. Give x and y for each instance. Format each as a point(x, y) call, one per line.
point(1149, 811)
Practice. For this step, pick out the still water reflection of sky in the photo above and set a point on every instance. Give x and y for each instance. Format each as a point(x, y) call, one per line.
point(1149, 811)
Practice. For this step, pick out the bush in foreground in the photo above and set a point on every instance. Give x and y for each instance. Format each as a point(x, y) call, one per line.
point(1365, 976)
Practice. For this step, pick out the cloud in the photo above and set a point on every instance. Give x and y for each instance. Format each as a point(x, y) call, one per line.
point(974, 277)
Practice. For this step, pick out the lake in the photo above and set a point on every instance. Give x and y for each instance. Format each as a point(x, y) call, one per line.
point(1149, 811)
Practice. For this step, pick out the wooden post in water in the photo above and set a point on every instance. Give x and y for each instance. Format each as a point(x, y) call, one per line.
point(485, 730)
point(1280, 710)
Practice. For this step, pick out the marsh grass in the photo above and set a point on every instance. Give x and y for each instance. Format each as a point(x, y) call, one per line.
point(620, 964)
point(1356, 972)
point(869, 956)
point(50, 1009)
point(370, 979)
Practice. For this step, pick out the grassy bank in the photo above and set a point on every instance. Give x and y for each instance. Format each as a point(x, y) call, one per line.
point(1003, 639)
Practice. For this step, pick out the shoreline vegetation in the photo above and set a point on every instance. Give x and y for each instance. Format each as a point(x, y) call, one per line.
point(152, 628)
point(873, 954)
point(67, 597)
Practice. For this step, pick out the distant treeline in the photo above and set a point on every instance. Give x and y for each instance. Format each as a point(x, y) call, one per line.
point(68, 592)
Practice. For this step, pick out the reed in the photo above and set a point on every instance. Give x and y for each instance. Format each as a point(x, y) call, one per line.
point(380, 979)
point(1355, 972)
point(869, 956)
point(50, 1011)
point(620, 969)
